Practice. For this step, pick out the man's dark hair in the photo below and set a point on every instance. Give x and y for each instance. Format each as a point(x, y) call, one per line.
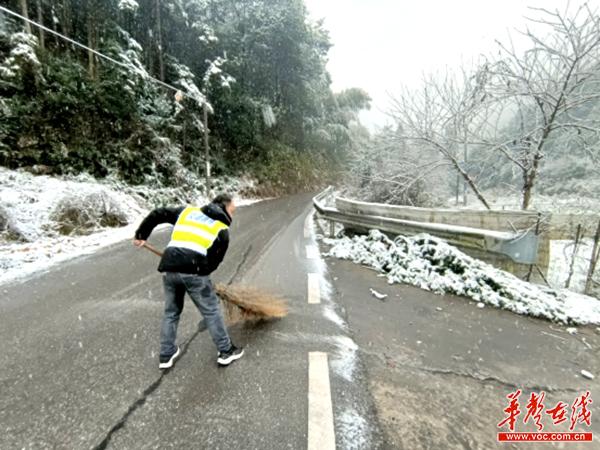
point(222, 199)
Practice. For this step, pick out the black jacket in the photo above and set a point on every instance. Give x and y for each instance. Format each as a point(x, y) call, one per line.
point(184, 260)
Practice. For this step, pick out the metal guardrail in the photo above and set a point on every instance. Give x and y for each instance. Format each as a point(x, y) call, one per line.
point(469, 217)
point(519, 247)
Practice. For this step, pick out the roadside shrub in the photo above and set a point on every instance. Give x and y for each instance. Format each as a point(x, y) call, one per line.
point(75, 214)
point(8, 229)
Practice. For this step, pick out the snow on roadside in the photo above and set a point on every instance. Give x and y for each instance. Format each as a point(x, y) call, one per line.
point(561, 251)
point(249, 201)
point(21, 259)
point(30, 201)
point(556, 204)
point(561, 258)
point(431, 264)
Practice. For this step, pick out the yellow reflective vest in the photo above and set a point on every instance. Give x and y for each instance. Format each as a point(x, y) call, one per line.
point(196, 231)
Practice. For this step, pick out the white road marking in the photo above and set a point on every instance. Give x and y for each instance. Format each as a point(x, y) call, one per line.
point(308, 224)
point(321, 433)
point(312, 252)
point(314, 292)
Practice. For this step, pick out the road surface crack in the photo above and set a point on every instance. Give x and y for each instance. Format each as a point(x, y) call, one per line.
point(390, 362)
point(241, 263)
point(142, 400)
point(492, 379)
point(156, 384)
point(486, 379)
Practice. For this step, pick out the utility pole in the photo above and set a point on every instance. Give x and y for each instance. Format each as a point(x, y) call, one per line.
point(40, 19)
point(206, 149)
point(466, 159)
point(26, 15)
point(593, 261)
point(457, 190)
point(161, 63)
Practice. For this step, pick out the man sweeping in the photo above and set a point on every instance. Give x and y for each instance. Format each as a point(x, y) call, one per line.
point(198, 244)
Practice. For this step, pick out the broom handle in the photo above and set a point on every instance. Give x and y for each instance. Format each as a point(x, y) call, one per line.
point(153, 249)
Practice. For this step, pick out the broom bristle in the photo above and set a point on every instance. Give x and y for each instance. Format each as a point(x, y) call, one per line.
point(246, 303)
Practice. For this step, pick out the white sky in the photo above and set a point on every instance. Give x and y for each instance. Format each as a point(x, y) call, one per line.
point(380, 45)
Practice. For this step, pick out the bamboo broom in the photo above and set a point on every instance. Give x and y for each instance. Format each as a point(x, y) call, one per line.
point(244, 303)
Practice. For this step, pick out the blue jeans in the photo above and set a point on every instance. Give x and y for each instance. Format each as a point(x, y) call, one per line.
point(202, 293)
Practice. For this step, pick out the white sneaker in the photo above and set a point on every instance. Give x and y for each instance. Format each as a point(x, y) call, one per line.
point(167, 362)
point(226, 358)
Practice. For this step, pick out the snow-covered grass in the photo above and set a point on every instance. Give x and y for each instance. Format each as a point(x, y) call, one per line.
point(431, 264)
point(30, 201)
point(557, 204)
point(561, 252)
point(22, 259)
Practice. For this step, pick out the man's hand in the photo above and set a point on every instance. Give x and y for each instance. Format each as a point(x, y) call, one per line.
point(138, 242)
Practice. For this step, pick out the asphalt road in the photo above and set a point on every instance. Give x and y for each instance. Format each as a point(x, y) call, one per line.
point(78, 368)
point(440, 368)
point(79, 362)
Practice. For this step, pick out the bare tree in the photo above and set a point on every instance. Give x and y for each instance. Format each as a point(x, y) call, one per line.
point(443, 116)
point(386, 169)
point(519, 106)
point(548, 89)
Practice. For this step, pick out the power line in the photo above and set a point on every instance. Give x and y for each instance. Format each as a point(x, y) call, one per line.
point(95, 52)
point(119, 63)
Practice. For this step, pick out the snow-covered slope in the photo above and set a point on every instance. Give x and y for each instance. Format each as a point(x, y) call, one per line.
point(30, 201)
point(429, 263)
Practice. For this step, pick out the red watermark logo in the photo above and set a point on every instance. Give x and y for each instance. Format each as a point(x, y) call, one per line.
point(537, 413)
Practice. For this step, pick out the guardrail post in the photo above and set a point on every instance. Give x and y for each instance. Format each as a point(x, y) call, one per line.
point(593, 261)
point(575, 248)
point(537, 232)
point(331, 228)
